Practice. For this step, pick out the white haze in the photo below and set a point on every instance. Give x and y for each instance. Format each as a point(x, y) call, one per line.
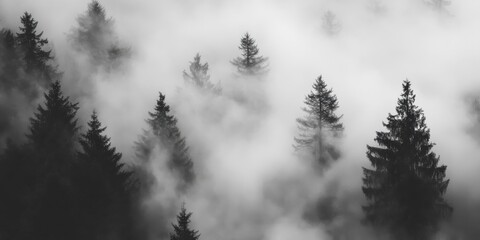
point(250, 184)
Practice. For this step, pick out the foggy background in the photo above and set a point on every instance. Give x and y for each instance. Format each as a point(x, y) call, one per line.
point(250, 184)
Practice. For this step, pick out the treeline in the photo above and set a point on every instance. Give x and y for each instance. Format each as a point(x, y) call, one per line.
point(63, 183)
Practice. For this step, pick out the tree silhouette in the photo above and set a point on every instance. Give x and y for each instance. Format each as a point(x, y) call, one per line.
point(182, 229)
point(103, 185)
point(53, 138)
point(405, 188)
point(96, 37)
point(250, 63)
point(320, 121)
point(31, 45)
point(164, 134)
point(198, 75)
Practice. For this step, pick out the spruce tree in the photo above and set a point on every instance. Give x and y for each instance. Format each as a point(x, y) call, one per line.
point(53, 130)
point(406, 186)
point(103, 185)
point(95, 36)
point(31, 46)
point(198, 75)
point(182, 229)
point(53, 137)
point(250, 63)
point(97, 150)
point(320, 121)
point(164, 134)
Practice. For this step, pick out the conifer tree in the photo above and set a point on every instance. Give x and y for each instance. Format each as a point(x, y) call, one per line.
point(53, 130)
point(164, 133)
point(53, 137)
point(182, 229)
point(104, 185)
point(320, 121)
point(31, 45)
point(97, 150)
point(198, 75)
point(95, 36)
point(250, 63)
point(406, 186)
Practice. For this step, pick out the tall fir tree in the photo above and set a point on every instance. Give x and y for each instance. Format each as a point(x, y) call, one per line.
point(53, 139)
point(250, 63)
point(103, 186)
point(37, 60)
point(53, 130)
point(406, 186)
point(181, 230)
point(198, 76)
point(164, 134)
point(95, 35)
point(320, 121)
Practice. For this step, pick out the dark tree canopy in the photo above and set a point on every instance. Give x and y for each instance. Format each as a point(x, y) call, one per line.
point(25, 71)
point(10, 60)
point(250, 63)
point(182, 229)
point(198, 75)
point(97, 150)
point(95, 35)
point(164, 134)
point(320, 121)
point(53, 139)
point(406, 186)
point(103, 186)
point(54, 127)
point(31, 46)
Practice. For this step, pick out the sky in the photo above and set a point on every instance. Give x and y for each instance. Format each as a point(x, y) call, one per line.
point(251, 185)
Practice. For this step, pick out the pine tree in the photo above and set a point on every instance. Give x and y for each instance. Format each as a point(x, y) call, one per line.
point(405, 188)
point(249, 64)
point(320, 121)
point(53, 130)
point(182, 229)
point(199, 76)
point(104, 185)
point(96, 37)
point(164, 133)
point(97, 150)
point(53, 137)
point(31, 45)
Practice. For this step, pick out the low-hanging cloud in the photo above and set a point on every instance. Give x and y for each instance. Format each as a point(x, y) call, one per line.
point(250, 184)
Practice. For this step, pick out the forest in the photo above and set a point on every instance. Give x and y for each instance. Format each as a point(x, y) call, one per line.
point(117, 129)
